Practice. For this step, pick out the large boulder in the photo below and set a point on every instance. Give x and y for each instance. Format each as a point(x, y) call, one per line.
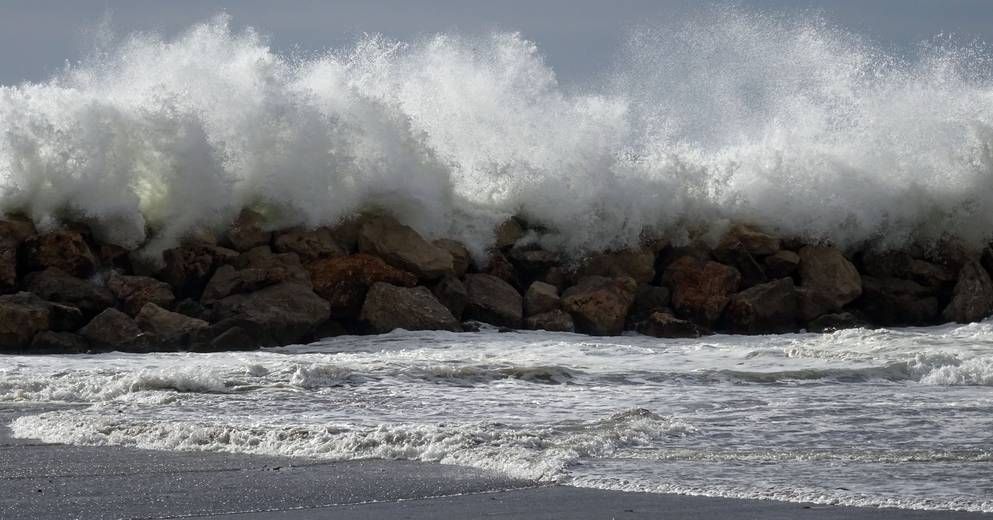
point(665, 325)
point(65, 249)
point(403, 248)
point(552, 321)
point(169, 327)
point(781, 264)
point(22, 316)
point(828, 281)
point(532, 261)
point(700, 288)
point(59, 342)
point(189, 267)
point(541, 298)
point(308, 244)
point(388, 307)
point(638, 264)
point(508, 233)
point(900, 264)
point(55, 285)
point(492, 300)
point(766, 308)
point(112, 329)
point(343, 281)
point(972, 298)
point(460, 255)
point(13, 232)
point(750, 239)
point(451, 292)
point(891, 301)
point(280, 314)
point(649, 299)
point(247, 232)
point(135, 291)
point(252, 271)
point(599, 305)
point(286, 266)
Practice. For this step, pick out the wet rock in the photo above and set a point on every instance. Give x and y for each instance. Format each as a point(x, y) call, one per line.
point(781, 264)
point(112, 329)
point(281, 266)
point(460, 255)
point(665, 325)
point(837, 321)
point(540, 298)
point(451, 292)
point(64, 249)
point(766, 308)
point(227, 281)
point(700, 288)
point(13, 232)
point(308, 244)
point(284, 313)
point(599, 305)
point(189, 267)
point(893, 301)
point(169, 327)
point(192, 308)
point(60, 342)
point(828, 281)
point(58, 286)
point(492, 300)
point(388, 307)
point(649, 299)
point(343, 281)
point(403, 248)
point(231, 338)
point(750, 239)
point(638, 264)
point(247, 232)
point(751, 270)
point(508, 233)
point(900, 264)
point(552, 321)
point(532, 261)
point(22, 315)
point(135, 291)
point(972, 298)
point(500, 266)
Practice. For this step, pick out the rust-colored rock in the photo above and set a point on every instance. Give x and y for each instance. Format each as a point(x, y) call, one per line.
point(343, 281)
point(388, 307)
point(599, 305)
point(135, 291)
point(64, 249)
point(638, 264)
point(700, 288)
point(828, 281)
point(189, 267)
point(494, 301)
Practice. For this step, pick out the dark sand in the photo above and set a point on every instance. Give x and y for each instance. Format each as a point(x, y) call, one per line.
point(56, 481)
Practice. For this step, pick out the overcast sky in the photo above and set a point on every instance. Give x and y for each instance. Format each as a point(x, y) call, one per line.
point(577, 37)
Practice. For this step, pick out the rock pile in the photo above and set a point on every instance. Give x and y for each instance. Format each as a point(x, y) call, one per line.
point(64, 291)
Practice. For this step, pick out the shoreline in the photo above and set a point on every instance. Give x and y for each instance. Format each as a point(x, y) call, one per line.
point(60, 481)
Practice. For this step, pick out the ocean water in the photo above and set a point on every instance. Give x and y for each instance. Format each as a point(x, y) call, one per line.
point(898, 418)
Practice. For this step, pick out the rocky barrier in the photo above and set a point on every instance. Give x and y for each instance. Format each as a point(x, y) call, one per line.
point(63, 290)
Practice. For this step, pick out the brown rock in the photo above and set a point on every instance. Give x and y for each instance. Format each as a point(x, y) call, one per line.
point(283, 266)
point(282, 314)
point(188, 268)
point(451, 292)
point(781, 264)
point(508, 233)
point(135, 291)
point(553, 321)
point(57, 286)
point(540, 298)
point(599, 305)
point(61, 342)
point(167, 326)
point(972, 298)
point(112, 329)
point(247, 232)
point(752, 272)
point(894, 301)
point(492, 300)
point(532, 261)
point(750, 239)
point(500, 266)
point(460, 255)
point(665, 325)
point(22, 315)
point(13, 232)
point(308, 244)
point(64, 249)
point(828, 281)
point(900, 264)
point(766, 308)
point(649, 299)
point(700, 288)
point(344, 281)
point(388, 307)
point(227, 281)
point(403, 248)
point(638, 264)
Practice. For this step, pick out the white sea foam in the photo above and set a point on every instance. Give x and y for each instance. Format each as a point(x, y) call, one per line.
point(728, 115)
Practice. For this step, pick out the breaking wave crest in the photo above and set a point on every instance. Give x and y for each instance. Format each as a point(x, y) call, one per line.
point(782, 121)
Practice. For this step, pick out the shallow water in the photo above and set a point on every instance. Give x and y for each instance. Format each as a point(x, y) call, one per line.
point(899, 418)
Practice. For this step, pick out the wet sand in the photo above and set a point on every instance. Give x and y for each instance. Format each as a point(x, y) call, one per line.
point(52, 481)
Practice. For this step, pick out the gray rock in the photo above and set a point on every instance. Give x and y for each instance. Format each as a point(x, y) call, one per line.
point(492, 300)
point(893, 301)
point(283, 313)
point(60, 342)
point(388, 307)
point(247, 232)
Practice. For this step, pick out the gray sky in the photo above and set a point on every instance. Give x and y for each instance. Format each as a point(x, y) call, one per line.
point(577, 37)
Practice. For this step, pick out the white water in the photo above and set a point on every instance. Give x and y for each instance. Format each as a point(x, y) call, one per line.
point(899, 418)
point(729, 115)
